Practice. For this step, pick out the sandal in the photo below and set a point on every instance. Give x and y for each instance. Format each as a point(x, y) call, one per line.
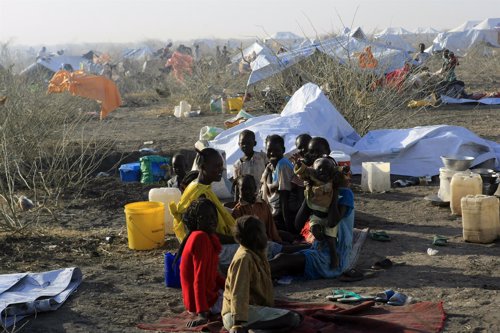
point(439, 240)
point(384, 297)
point(398, 299)
point(351, 275)
point(382, 264)
point(380, 236)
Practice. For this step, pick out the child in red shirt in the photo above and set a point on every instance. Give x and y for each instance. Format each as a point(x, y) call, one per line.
point(200, 278)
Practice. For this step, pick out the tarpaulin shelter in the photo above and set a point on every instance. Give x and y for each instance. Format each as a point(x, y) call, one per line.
point(140, 54)
point(468, 35)
point(256, 48)
point(288, 40)
point(94, 87)
point(52, 64)
point(411, 151)
point(342, 48)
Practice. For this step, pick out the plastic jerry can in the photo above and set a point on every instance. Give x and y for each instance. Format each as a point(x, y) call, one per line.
point(445, 176)
point(462, 184)
point(376, 176)
point(480, 218)
point(166, 195)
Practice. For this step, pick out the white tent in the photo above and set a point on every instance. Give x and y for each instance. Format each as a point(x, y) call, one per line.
point(395, 41)
point(486, 33)
point(139, 54)
point(425, 31)
point(467, 25)
point(412, 152)
point(393, 31)
point(288, 40)
point(258, 48)
point(54, 63)
point(342, 48)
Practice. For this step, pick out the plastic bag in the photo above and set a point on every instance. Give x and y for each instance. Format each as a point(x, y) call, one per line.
point(209, 133)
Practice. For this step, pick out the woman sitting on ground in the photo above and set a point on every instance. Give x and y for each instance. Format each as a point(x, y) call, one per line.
point(201, 281)
point(248, 295)
point(211, 167)
point(315, 262)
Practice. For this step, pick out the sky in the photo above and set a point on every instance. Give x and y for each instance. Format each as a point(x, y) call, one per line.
point(35, 22)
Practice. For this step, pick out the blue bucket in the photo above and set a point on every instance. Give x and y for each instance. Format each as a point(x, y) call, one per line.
point(172, 274)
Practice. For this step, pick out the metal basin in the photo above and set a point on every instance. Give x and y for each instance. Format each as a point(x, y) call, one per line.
point(457, 162)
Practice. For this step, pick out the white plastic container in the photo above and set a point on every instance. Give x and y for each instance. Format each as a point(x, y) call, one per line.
point(185, 107)
point(166, 195)
point(445, 176)
point(177, 111)
point(480, 218)
point(463, 183)
point(376, 176)
point(341, 158)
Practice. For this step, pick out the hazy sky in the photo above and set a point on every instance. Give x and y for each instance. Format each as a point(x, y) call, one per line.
point(60, 21)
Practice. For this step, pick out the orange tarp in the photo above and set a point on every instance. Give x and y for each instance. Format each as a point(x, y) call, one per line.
point(181, 64)
point(94, 87)
point(367, 60)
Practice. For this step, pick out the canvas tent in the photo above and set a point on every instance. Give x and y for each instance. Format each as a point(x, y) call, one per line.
point(393, 31)
point(288, 40)
point(458, 40)
point(258, 48)
point(412, 151)
point(341, 48)
point(52, 64)
point(139, 54)
point(395, 41)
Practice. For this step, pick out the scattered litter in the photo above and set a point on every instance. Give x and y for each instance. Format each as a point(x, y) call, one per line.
point(148, 142)
point(148, 150)
point(25, 203)
point(192, 113)
point(432, 252)
point(110, 239)
point(102, 175)
point(407, 182)
point(440, 240)
point(209, 133)
point(380, 236)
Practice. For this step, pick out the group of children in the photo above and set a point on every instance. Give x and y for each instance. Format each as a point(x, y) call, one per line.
point(276, 197)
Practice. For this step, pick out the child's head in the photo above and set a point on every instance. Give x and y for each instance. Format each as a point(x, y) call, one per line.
point(179, 165)
point(275, 148)
point(188, 178)
point(201, 215)
point(324, 169)
point(251, 233)
point(318, 147)
point(246, 188)
point(211, 165)
point(302, 143)
point(421, 46)
point(317, 231)
point(247, 142)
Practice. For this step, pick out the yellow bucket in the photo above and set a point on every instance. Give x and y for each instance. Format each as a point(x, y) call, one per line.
point(145, 226)
point(235, 104)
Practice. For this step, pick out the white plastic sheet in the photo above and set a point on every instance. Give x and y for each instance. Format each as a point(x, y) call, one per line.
point(24, 294)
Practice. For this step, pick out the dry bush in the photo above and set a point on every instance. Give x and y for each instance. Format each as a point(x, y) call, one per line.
point(365, 104)
point(44, 148)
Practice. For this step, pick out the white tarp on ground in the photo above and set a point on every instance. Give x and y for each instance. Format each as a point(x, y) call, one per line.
point(342, 48)
point(487, 100)
point(140, 54)
point(24, 294)
point(412, 152)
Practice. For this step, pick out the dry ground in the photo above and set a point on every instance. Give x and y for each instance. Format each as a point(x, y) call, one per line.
point(122, 287)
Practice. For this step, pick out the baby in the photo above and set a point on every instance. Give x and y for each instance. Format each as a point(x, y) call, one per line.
point(322, 182)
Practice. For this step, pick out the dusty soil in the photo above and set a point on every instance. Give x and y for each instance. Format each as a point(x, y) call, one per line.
point(122, 287)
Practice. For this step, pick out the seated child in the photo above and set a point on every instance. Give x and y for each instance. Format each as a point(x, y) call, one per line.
point(320, 204)
point(179, 168)
point(248, 293)
point(200, 279)
point(250, 204)
point(252, 163)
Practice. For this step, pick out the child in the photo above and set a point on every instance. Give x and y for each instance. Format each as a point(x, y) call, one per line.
point(277, 188)
point(248, 294)
point(320, 203)
point(200, 279)
point(302, 145)
point(250, 204)
point(252, 163)
point(179, 167)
